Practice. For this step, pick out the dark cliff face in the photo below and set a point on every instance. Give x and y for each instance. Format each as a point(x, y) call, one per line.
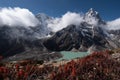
point(79, 37)
point(64, 39)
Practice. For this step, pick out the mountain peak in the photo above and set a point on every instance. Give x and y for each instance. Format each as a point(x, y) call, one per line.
point(91, 10)
point(92, 17)
point(92, 13)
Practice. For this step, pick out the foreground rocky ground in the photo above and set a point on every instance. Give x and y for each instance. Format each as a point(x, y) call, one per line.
point(96, 66)
point(38, 55)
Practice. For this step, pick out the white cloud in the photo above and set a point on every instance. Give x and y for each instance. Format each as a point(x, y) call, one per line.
point(17, 17)
point(67, 19)
point(114, 25)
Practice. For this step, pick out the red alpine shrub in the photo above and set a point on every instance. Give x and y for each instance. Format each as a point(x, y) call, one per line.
point(96, 66)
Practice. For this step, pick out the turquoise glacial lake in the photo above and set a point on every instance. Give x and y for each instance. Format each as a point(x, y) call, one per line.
point(68, 55)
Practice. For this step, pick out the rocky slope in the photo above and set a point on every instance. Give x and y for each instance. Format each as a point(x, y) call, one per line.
point(79, 37)
point(90, 35)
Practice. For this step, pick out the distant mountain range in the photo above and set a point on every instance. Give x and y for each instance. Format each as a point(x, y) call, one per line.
point(90, 35)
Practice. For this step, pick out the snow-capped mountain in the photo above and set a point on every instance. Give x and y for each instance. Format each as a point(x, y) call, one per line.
point(82, 32)
point(90, 35)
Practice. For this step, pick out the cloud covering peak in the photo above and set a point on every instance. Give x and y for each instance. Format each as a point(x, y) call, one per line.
point(69, 18)
point(66, 19)
point(17, 17)
point(91, 17)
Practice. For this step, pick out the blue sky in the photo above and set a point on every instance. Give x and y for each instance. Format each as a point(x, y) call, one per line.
point(108, 9)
